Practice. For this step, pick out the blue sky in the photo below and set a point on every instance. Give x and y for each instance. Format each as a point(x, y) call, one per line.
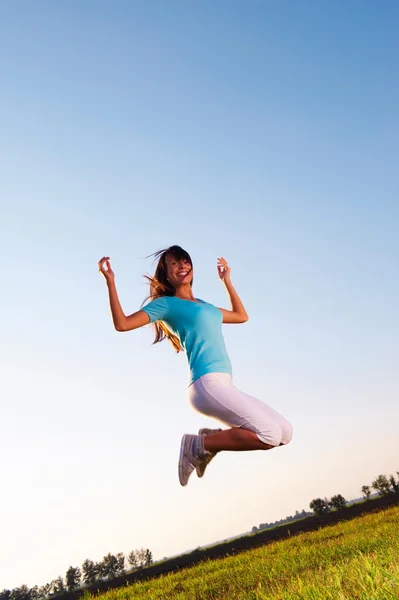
point(266, 132)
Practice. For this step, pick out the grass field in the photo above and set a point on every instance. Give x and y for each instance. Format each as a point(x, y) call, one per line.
point(352, 560)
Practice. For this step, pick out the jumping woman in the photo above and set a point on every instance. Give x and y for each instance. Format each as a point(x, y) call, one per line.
point(193, 325)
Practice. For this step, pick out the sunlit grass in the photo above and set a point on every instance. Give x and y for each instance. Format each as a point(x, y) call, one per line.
point(352, 560)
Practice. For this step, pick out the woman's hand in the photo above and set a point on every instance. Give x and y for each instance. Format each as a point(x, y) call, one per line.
point(104, 267)
point(223, 269)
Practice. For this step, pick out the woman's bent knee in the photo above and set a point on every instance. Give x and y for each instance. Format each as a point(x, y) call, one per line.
point(287, 432)
point(278, 435)
point(271, 436)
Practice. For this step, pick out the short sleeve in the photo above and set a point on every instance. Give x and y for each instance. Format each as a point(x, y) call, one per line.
point(157, 309)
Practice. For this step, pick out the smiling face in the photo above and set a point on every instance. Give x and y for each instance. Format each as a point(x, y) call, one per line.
point(174, 271)
point(179, 269)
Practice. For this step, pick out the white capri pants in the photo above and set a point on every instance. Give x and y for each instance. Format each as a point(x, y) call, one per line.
point(215, 395)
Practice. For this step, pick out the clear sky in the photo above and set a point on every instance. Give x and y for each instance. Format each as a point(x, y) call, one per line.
point(263, 131)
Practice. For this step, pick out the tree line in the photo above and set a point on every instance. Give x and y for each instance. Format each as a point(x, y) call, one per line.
point(382, 485)
point(111, 566)
point(298, 515)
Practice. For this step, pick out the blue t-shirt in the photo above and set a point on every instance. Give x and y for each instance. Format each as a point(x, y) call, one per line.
point(198, 325)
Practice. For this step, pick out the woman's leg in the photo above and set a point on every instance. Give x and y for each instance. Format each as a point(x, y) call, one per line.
point(234, 439)
point(254, 425)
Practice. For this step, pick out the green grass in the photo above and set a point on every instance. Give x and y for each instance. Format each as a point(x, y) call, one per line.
point(352, 560)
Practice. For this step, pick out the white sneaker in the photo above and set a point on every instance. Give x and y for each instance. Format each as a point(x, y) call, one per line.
point(208, 456)
point(188, 458)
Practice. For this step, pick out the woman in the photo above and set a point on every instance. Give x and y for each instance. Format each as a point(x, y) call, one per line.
point(195, 326)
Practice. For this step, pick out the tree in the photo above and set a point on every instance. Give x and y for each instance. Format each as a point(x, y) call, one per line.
point(141, 557)
point(72, 578)
point(131, 559)
point(366, 491)
point(21, 593)
point(120, 566)
point(57, 586)
point(90, 571)
point(5, 594)
point(319, 506)
point(148, 558)
point(338, 502)
point(394, 484)
point(44, 590)
point(381, 485)
point(109, 566)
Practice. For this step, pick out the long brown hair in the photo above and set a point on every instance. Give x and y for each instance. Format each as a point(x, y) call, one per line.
point(160, 286)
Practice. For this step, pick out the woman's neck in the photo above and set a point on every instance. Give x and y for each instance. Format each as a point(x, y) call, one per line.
point(185, 292)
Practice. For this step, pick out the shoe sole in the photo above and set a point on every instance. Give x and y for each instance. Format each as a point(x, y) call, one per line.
point(182, 461)
point(181, 457)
